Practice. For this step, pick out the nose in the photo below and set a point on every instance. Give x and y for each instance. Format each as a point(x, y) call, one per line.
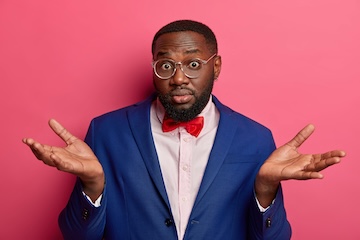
point(179, 77)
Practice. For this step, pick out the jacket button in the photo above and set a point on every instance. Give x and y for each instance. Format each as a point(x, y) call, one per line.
point(168, 222)
point(268, 222)
point(85, 214)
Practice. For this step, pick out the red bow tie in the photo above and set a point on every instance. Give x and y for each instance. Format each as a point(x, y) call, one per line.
point(193, 126)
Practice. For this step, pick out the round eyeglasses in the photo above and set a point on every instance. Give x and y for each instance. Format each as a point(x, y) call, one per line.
point(166, 68)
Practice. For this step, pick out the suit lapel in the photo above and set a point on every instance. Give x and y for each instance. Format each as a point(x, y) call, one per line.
point(224, 137)
point(139, 121)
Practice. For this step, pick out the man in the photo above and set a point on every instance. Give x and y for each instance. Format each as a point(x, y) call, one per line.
point(179, 165)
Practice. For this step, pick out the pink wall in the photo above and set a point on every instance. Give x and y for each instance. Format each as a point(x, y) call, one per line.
point(285, 64)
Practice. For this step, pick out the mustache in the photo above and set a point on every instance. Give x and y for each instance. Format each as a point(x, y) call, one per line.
point(178, 91)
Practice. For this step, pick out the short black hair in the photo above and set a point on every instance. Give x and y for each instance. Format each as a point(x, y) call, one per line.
point(188, 25)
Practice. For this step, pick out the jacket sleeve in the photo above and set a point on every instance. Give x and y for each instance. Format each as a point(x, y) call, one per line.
point(80, 219)
point(271, 224)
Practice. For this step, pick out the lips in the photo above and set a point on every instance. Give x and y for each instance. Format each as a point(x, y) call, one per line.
point(181, 99)
point(181, 96)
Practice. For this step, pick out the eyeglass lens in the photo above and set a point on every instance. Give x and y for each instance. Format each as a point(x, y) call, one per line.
point(165, 68)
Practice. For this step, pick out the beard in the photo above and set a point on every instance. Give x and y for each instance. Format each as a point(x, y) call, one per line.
point(185, 115)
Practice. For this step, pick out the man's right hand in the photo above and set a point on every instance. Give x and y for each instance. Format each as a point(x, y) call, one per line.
point(76, 158)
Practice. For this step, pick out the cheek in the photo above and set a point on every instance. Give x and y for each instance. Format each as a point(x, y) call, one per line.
point(201, 85)
point(160, 85)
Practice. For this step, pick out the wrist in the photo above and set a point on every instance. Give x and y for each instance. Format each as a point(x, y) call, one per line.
point(265, 187)
point(265, 191)
point(93, 187)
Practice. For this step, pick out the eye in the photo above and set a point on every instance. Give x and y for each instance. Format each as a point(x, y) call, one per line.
point(194, 64)
point(166, 66)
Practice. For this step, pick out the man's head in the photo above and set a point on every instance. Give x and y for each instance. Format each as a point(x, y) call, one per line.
point(188, 25)
point(184, 89)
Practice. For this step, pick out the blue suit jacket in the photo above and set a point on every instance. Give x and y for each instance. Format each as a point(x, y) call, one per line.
point(135, 204)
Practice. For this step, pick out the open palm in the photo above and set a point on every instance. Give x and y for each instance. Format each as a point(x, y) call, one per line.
point(287, 162)
point(76, 157)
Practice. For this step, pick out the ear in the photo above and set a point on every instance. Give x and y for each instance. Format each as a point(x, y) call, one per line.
point(217, 66)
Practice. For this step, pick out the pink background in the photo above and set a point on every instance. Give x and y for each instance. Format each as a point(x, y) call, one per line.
point(285, 64)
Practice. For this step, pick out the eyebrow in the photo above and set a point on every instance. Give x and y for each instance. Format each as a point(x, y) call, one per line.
point(187, 52)
point(192, 51)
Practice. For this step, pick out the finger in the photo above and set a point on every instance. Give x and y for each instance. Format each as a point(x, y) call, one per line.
point(28, 141)
point(61, 132)
point(313, 175)
point(308, 175)
point(301, 136)
point(335, 153)
point(35, 147)
point(41, 152)
point(321, 165)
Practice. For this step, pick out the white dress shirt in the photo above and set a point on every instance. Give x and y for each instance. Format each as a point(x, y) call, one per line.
point(183, 159)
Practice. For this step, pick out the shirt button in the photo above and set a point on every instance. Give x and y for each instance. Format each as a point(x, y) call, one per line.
point(187, 139)
point(185, 168)
point(184, 199)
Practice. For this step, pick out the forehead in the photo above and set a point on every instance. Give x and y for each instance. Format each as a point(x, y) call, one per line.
point(186, 42)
